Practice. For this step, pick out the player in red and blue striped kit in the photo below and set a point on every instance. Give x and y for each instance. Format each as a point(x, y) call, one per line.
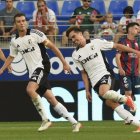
point(128, 63)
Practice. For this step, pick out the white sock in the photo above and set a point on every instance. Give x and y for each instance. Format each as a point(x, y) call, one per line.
point(115, 96)
point(62, 111)
point(126, 115)
point(40, 107)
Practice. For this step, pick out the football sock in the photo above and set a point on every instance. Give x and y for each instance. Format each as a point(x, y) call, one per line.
point(115, 96)
point(62, 111)
point(40, 107)
point(127, 116)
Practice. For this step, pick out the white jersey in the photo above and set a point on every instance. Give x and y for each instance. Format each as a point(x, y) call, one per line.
point(89, 58)
point(28, 46)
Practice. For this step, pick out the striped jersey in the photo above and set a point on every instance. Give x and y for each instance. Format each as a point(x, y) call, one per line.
point(129, 61)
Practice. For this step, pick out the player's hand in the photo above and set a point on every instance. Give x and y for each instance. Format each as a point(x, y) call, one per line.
point(88, 96)
point(67, 68)
point(9, 69)
point(122, 72)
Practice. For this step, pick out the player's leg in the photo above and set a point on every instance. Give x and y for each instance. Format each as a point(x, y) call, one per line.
point(108, 113)
point(126, 89)
point(124, 114)
point(61, 110)
point(103, 88)
point(32, 89)
point(37, 101)
point(115, 96)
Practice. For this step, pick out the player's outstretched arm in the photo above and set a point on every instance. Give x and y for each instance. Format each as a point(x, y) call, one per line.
point(126, 49)
point(2, 56)
point(57, 52)
point(8, 61)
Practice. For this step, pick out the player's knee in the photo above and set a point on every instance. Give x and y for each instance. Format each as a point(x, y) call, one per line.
point(111, 94)
point(112, 104)
point(50, 98)
point(29, 91)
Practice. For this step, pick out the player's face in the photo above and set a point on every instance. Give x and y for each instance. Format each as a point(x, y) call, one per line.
point(77, 38)
point(21, 23)
point(135, 30)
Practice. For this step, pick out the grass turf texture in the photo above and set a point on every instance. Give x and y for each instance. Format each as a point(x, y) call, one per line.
point(103, 130)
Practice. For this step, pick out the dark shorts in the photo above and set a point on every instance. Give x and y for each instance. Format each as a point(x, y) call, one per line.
point(130, 83)
point(106, 79)
point(41, 78)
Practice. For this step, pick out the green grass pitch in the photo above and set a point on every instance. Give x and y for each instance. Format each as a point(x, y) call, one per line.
point(102, 130)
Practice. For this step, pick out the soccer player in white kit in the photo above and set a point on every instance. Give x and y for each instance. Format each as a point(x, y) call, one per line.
point(89, 60)
point(31, 44)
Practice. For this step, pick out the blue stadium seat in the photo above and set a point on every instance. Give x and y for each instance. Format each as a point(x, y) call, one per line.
point(99, 5)
point(68, 7)
point(27, 8)
point(116, 7)
point(2, 5)
point(136, 6)
point(52, 4)
point(63, 26)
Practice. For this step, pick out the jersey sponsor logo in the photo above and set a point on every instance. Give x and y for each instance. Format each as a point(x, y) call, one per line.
point(27, 50)
point(89, 58)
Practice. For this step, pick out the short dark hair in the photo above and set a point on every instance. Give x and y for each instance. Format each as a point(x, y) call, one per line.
point(131, 25)
point(128, 10)
point(73, 28)
point(19, 15)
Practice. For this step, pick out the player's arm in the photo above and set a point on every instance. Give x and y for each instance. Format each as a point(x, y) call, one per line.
point(8, 61)
point(57, 52)
point(87, 85)
point(2, 56)
point(118, 62)
point(124, 48)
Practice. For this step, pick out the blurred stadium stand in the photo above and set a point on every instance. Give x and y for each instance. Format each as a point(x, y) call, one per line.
point(64, 9)
point(116, 8)
point(53, 4)
point(2, 4)
point(68, 7)
point(27, 8)
point(99, 5)
point(136, 6)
